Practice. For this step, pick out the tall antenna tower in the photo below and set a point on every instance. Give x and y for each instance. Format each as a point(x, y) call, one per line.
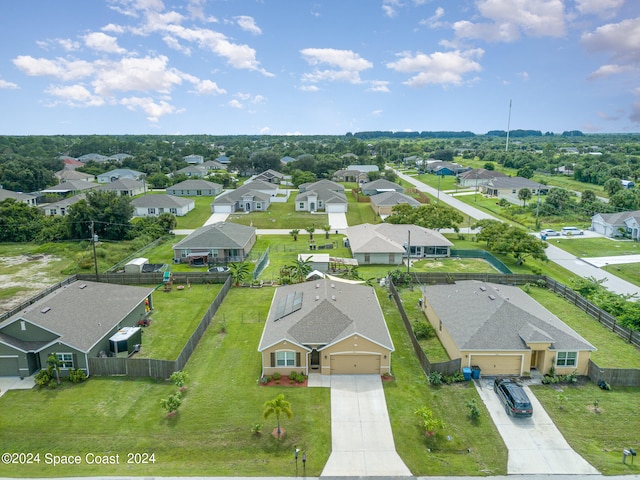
point(508, 127)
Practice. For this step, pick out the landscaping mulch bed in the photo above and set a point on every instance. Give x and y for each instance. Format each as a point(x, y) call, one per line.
point(284, 381)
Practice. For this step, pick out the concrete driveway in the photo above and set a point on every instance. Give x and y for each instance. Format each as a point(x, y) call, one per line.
point(535, 445)
point(361, 439)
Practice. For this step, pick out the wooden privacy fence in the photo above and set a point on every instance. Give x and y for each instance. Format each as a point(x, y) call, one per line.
point(616, 377)
point(149, 367)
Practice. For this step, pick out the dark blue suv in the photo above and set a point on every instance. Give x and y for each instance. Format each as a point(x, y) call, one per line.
point(515, 400)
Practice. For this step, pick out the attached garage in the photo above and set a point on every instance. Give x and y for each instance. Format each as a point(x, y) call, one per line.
point(355, 364)
point(336, 208)
point(223, 208)
point(9, 366)
point(507, 364)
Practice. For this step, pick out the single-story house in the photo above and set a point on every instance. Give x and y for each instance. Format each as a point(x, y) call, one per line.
point(323, 195)
point(118, 157)
point(61, 208)
point(152, 205)
point(75, 322)
point(92, 157)
point(193, 159)
point(445, 168)
point(124, 187)
point(383, 203)
point(379, 186)
point(210, 165)
point(251, 197)
point(328, 327)
point(192, 171)
point(119, 174)
point(627, 183)
point(28, 198)
point(287, 160)
point(220, 242)
point(270, 176)
point(70, 187)
point(502, 330)
point(364, 168)
point(478, 177)
point(509, 186)
point(223, 159)
point(354, 176)
point(195, 188)
point(67, 174)
point(70, 163)
point(386, 243)
point(618, 224)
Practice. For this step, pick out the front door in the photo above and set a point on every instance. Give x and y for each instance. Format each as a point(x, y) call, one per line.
point(534, 359)
point(247, 207)
point(315, 359)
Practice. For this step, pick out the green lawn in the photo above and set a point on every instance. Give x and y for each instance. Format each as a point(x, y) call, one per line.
point(598, 247)
point(281, 215)
point(210, 435)
point(196, 217)
point(599, 436)
point(475, 448)
point(360, 212)
point(627, 271)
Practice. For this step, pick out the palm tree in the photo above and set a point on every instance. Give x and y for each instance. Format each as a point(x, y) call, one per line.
point(294, 233)
point(53, 363)
point(524, 194)
point(238, 272)
point(326, 229)
point(300, 268)
point(311, 229)
point(277, 406)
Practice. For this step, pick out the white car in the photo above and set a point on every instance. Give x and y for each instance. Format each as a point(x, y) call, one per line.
point(572, 231)
point(549, 233)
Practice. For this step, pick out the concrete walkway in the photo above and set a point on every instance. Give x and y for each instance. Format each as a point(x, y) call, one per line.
point(16, 383)
point(361, 438)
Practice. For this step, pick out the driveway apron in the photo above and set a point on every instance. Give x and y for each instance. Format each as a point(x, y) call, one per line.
point(361, 437)
point(535, 445)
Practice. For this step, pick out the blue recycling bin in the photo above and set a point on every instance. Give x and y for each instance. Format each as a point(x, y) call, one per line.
point(466, 372)
point(475, 372)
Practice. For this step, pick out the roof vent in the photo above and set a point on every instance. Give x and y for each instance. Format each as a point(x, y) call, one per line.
point(84, 285)
point(484, 289)
point(333, 285)
point(317, 285)
point(317, 297)
point(491, 297)
point(45, 309)
point(333, 297)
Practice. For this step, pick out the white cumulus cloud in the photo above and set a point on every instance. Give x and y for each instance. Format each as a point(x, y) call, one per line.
point(248, 24)
point(444, 68)
point(6, 84)
point(153, 109)
point(102, 42)
point(346, 64)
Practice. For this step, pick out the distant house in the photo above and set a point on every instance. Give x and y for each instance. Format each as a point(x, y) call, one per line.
point(223, 159)
point(379, 186)
point(61, 208)
point(386, 243)
point(119, 174)
point(251, 197)
point(152, 205)
point(270, 176)
point(193, 159)
point(446, 168)
point(213, 165)
point(195, 188)
point(287, 160)
point(70, 187)
point(353, 176)
point(621, 224)
point(502, 330)
point(75, 321)
point(27, 198)
point(364, 168)
point(323, 195)
point(70, 163)
point(92, 157)
point(220, 242)
point(66, 174)
point(509, 186)
point(192, 171)
point(627, 184)
point(118, 157)
point(383, 203)
point(325, 326)
point(478, 177)
point(124, 187)
point(317, 261)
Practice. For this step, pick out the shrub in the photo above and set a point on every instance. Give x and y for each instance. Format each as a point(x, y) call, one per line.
point(276, 376)
point(423, 330)
point(435, 378)
point(77, 376)
point(42, 378)
point(474, 411)
point(179, 378)
point(256, 428)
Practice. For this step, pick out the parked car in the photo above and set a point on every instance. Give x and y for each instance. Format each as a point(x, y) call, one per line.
point(218, 269)
point(571, 231)
point(549, 233)
point(515, 400)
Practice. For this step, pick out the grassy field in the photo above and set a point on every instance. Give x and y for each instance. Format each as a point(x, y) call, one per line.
point(597, 434)
point(599, 247)
point(360, 212)
point(196, 217)
point(627, 271)
point(281, 215)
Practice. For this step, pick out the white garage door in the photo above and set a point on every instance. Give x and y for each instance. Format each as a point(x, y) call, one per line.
point(222, 209)
point(355, 364)
point(9, 367)
point(336, 208)
point(498, 364)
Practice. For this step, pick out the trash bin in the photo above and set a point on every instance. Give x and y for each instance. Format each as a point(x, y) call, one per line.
point(466, 372)
point(475, 372)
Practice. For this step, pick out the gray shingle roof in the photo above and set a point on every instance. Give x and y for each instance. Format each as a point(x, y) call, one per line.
point(390, 238)
point(121, 184)
point(255, 188)
point(160, 201)
point(381, 184)
point(323, 320)
point(516, 182)
point(195, 185)
point(83, 316)
point(475, 321)
point(389, 199)
point(222, 235)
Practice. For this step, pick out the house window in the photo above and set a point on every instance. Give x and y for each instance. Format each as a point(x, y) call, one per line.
point(53, 211)
point(151, 211)
point(367, 257)
point(285, 359)
point(66, 360)
point(301, 204)
point(198, 192)
point(174, 211)
point(258, 206)
point(392, 258)
point(566, 359)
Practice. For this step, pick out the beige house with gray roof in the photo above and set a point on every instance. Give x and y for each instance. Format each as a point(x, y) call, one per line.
point(383, 203)
point(502, 330)
point(220, 242)
point(328, 327)
point(153, 205)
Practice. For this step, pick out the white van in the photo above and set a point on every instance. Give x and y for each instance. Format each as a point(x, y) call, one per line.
point(571, 231)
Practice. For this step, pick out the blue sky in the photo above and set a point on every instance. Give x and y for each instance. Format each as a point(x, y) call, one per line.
point(280, 67)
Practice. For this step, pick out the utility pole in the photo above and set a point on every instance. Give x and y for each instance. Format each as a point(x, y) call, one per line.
point(94, 239)
point(538, 209)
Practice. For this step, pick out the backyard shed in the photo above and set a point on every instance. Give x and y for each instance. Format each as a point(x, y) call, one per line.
point(135, 265)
